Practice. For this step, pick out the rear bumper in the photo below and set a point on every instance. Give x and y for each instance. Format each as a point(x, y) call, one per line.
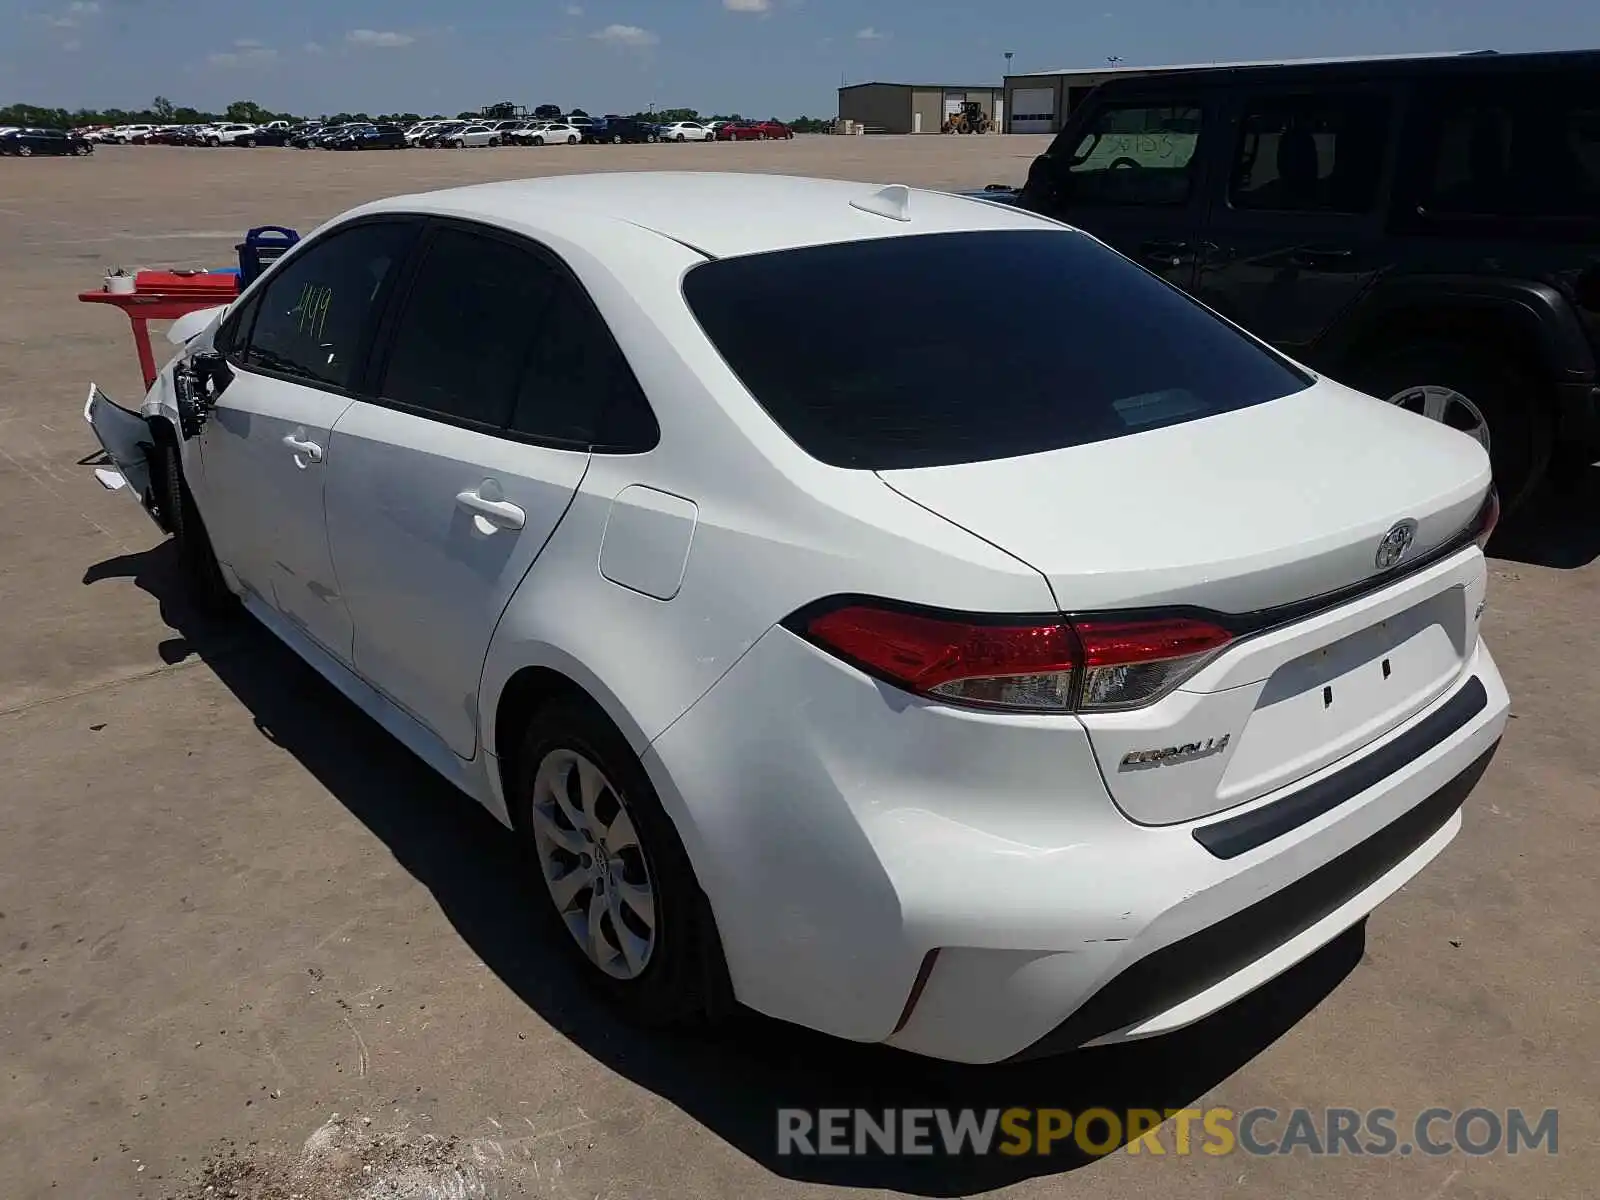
point(843, 831)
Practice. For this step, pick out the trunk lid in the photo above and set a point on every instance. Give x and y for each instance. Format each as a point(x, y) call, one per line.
point(1237, 513)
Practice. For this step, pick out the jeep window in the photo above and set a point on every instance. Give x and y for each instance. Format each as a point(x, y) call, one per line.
point(1321, 153)
point(1133, 155)
point(1533, 154)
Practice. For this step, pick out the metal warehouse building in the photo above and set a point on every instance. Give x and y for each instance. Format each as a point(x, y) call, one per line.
point(914, 107)
point(1040, 101)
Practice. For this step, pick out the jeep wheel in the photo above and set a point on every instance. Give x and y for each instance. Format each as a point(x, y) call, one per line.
point(1489, 398)
point(25, 151)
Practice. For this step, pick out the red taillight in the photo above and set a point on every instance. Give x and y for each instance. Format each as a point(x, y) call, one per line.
point(1488, 517)
point(1033, 665)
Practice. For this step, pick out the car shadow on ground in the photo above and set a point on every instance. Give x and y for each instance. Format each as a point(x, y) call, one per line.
point(1558, 527)
point(734, 1079)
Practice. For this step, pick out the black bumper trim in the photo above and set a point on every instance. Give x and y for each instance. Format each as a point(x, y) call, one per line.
point(1238, 835)
point(1168, 976)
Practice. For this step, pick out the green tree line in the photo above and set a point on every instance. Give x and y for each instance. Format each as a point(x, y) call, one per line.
point(164, 112)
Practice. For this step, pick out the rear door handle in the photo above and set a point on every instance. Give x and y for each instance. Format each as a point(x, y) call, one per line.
point(308, 451)
point(1320, 256)
point(490, 510)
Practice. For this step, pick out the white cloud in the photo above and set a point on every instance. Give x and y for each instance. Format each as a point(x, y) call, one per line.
point(248, 53)
point(869, 34)
point(625, 35)
point(314, 48)
point(62, 22)
point(86, 8)
point(574, 10)
point(385, 38)
point(755, 6)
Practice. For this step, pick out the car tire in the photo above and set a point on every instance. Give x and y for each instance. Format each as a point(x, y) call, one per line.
point(1464, 386)
point(80, 151)
point(461, 144)
point(616, 139)
point(571, 140)
point(495, 142)
point(678, 974)
point(538, 141)
point(213, 141)
point(202, 576)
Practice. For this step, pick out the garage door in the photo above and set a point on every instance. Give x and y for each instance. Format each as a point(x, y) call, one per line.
point(1033, 110)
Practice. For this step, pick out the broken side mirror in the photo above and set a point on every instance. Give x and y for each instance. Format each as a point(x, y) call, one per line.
point(197, 382)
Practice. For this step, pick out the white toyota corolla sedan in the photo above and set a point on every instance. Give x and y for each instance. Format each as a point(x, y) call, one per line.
point(982, 689)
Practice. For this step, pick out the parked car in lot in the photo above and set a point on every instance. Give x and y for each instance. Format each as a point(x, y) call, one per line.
point(232, 133)
point(443, 135)
point(685, 131)
point(369, 137)
point(26, 142)
point(754, 131)
point(619, 130)
point(548, 133)
point(474, 135)
point(957, 766)
point(1427, 230)
point(126, 135)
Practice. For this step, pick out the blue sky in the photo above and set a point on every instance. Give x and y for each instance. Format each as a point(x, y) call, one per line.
point(762, 57)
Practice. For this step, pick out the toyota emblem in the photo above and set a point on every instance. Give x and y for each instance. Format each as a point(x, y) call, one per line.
point(1395, 544)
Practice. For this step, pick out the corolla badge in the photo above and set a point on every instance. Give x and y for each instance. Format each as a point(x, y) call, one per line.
point(1395, 544)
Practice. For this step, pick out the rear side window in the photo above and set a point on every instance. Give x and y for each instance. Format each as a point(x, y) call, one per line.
point(902, 370)
point(1322, 153)
point(469, 320)
point(1513, 151)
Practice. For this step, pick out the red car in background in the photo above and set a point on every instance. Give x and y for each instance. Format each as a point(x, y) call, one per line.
point(754, 131)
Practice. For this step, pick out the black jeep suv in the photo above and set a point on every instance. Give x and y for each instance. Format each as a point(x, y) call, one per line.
point(1426, 229)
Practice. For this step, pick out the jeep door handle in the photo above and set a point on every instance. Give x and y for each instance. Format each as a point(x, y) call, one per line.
point(1168, 253)
point(499, 514)
point(310, 451)
point(1320, 256)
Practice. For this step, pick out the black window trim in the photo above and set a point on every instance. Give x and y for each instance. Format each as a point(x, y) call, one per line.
point(382, 348)
point(1239, 102)
point(251, 303)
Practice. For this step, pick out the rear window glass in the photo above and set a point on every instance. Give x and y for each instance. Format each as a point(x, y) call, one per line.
point(938, 349)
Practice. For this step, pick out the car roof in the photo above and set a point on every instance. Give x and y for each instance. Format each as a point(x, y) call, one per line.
point(1351, 70)
point(721, 214)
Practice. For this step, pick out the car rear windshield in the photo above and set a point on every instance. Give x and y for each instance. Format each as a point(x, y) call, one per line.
point(937, 349)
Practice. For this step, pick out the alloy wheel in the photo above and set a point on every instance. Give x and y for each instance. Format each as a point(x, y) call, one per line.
point(1448, 407)
point(593, 864)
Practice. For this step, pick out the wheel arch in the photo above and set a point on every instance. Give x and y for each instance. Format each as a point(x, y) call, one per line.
point(1532, 320)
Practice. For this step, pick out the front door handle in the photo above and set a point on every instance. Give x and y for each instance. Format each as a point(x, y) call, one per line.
point(304, 451)
point(1167, 253)
point(490, 510)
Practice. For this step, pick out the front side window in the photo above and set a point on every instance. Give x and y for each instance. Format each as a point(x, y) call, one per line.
point(1134, 155)
point(1106, 350)
point(317, 309)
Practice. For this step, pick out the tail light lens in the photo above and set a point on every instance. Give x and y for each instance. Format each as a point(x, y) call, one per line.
point(1046, 665)
point(1483, 525)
